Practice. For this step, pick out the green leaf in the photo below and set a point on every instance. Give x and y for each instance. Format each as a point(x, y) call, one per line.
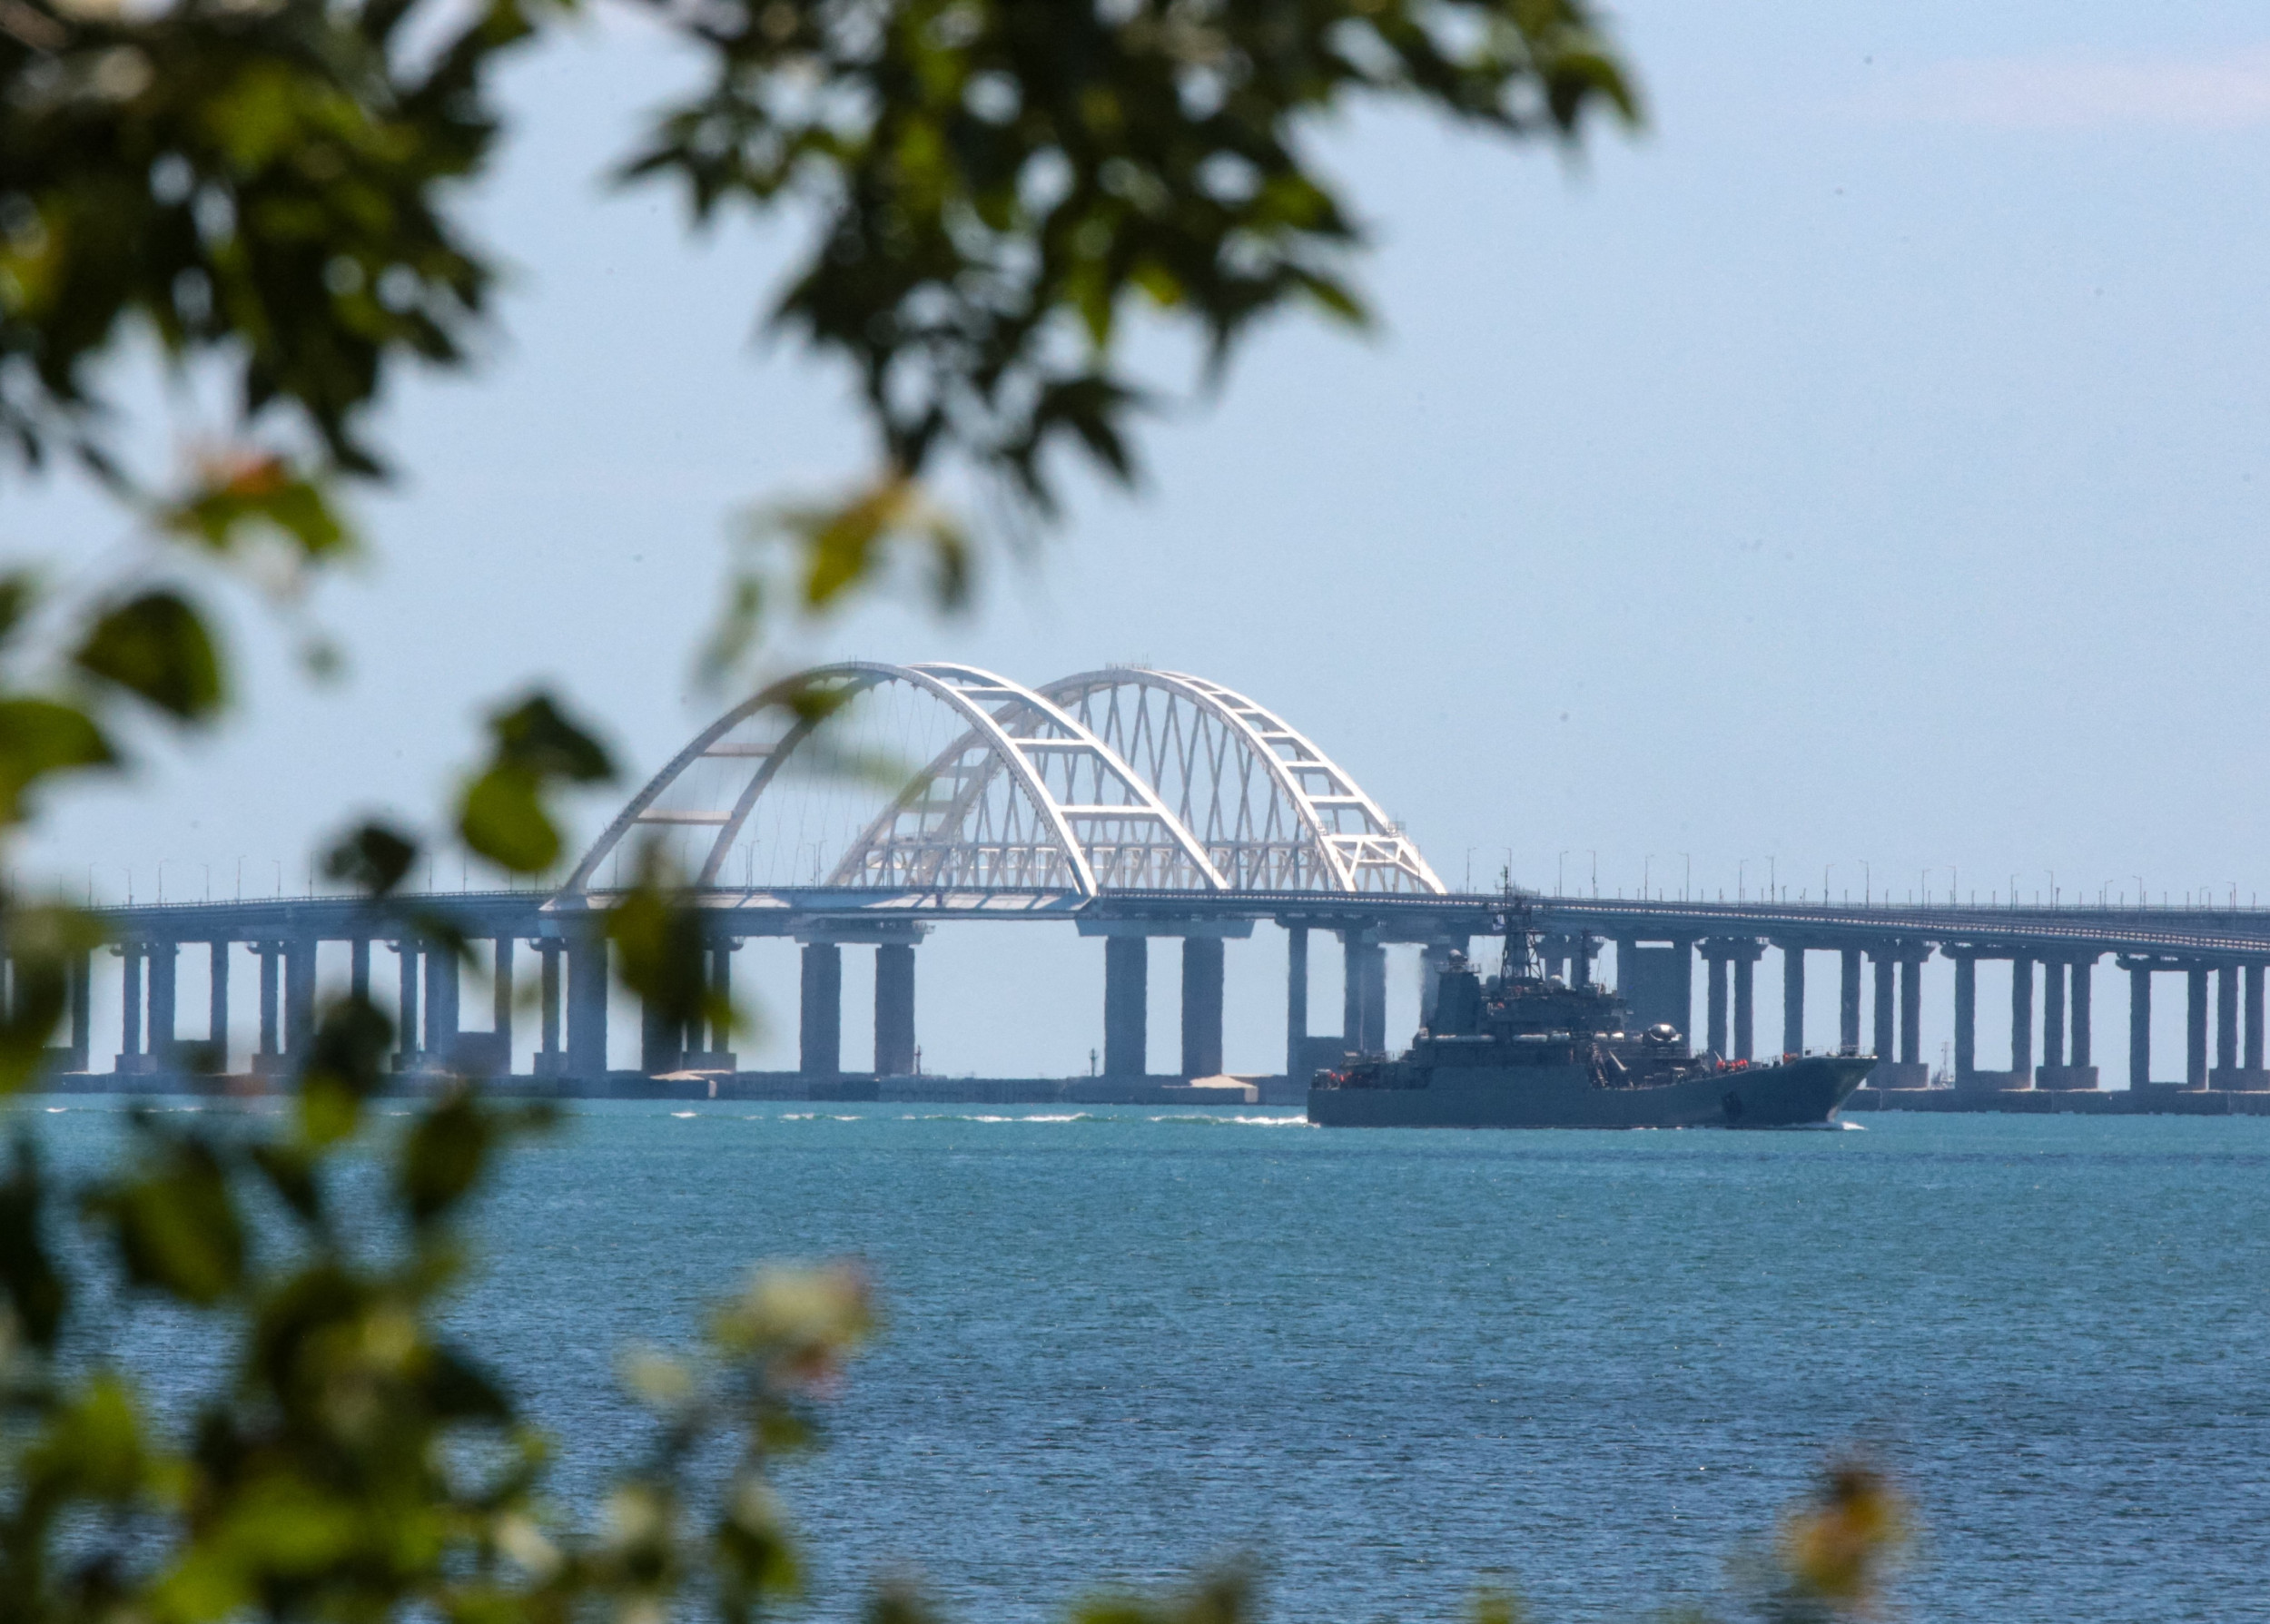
point(372, 858)
point(157, 646)
point(39, 738)
point(174, 1220)
point(536, 736)
point(502, 818)
point(35, 1291)
point(243, 494)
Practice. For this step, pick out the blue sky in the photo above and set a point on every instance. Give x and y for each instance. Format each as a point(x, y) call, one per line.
point(1866, 465)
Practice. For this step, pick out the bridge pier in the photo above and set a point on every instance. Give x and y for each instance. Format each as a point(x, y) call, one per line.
point(1657, 981)
point(129, 955)
point(268, 1059)
point(895, 1008)
point(1966, 1063)
point(1201, 1006)
point(1297, 1067)
point(1125, 1006)
point(586, 1004)
point(820, 1030)
point(2195, 1026)
point(1793, 996)
point(1848, 1001)
point(2139, 1024)
point(165, 959)
point(548, 1060)
point(1740, 954)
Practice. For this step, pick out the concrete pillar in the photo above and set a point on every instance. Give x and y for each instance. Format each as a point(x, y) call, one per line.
point(894, 1009)
point(2226, 1016)
point(662, 1040)
point(1374, 962)
point(2021, 1022)
point(1580, 957)
point(1887, 981)
point(548, 1036)
point(2053, 1013)
point(130, 1003)
point(359, 970)
point(721, 996)
point(298, 973)
point(1745, 1014)
point(217, 1006)
point(165, 958)
point(2084, 973)
point(2254, 1018)
point(2139, 1024)
point(270, 1000)
point(500, 1003)
point(1126, 1005)
point(820, 1030)
point(1912, 1011)
point(441, 1002)
point(1352, 991)
point(81, 994)
point(1966, 1019)
point(1296, 1001)
point(1718, 1004)
point(406, 1027)
point(2195, 1028)
point(586, 1006)
point(1849, 1000)
point(1202, 1005)
point(1793, 998)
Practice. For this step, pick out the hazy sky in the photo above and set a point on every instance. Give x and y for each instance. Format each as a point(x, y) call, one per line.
point(1865, 465)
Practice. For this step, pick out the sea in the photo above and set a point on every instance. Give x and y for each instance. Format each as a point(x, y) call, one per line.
point(1386, 1367)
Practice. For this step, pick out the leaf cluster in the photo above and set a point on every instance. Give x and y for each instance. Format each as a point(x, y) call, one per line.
point(999, 182)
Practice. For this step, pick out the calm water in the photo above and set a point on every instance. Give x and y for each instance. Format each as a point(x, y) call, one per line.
point(1391, 1363)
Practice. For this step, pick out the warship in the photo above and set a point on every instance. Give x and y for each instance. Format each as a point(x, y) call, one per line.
point(1526, 1051)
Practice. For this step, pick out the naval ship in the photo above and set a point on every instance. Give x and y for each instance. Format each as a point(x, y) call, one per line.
point(1527, 1050)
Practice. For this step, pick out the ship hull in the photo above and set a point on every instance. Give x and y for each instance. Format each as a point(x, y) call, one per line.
point(1799, 1093)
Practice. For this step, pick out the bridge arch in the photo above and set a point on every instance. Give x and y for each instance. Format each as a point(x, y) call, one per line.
point(1272, 811)
point(1021, 797)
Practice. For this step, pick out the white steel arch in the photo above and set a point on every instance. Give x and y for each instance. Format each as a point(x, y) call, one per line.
point(1272, 810)
point(1025, 798)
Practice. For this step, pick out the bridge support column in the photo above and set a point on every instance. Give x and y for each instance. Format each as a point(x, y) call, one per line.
point(1848, 1001)
point(1125, 1006)
point(1887, 981)
point(1792, 998)
point(1374, 964)
point(129, 1007)
point(406, 1017)
point(1745, 1011)
point(164, 963)
point(2083, 975)
point(1202, 958)
point(1580, 957)
point(217, 1006)
point(662, 1040)
point(586, 1006)
point(1716, 998)
point(500, 1002)
point(1911, 1013)
point(895, 1008)
point(2053, 1027)
point(441, 1003)
point(2021, 1023)
point(359, 969)
point(2195, 1028)
point(2227, 1018)
point(2139, 1026)
point(820, 1030)
point(547, 1056)
point(1966, 1019)
point(298, 973)
point(2254, 1018)
point(1296, 1002)
point(270, 1059)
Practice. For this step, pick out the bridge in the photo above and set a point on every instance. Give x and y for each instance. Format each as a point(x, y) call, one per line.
point(861, 804)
